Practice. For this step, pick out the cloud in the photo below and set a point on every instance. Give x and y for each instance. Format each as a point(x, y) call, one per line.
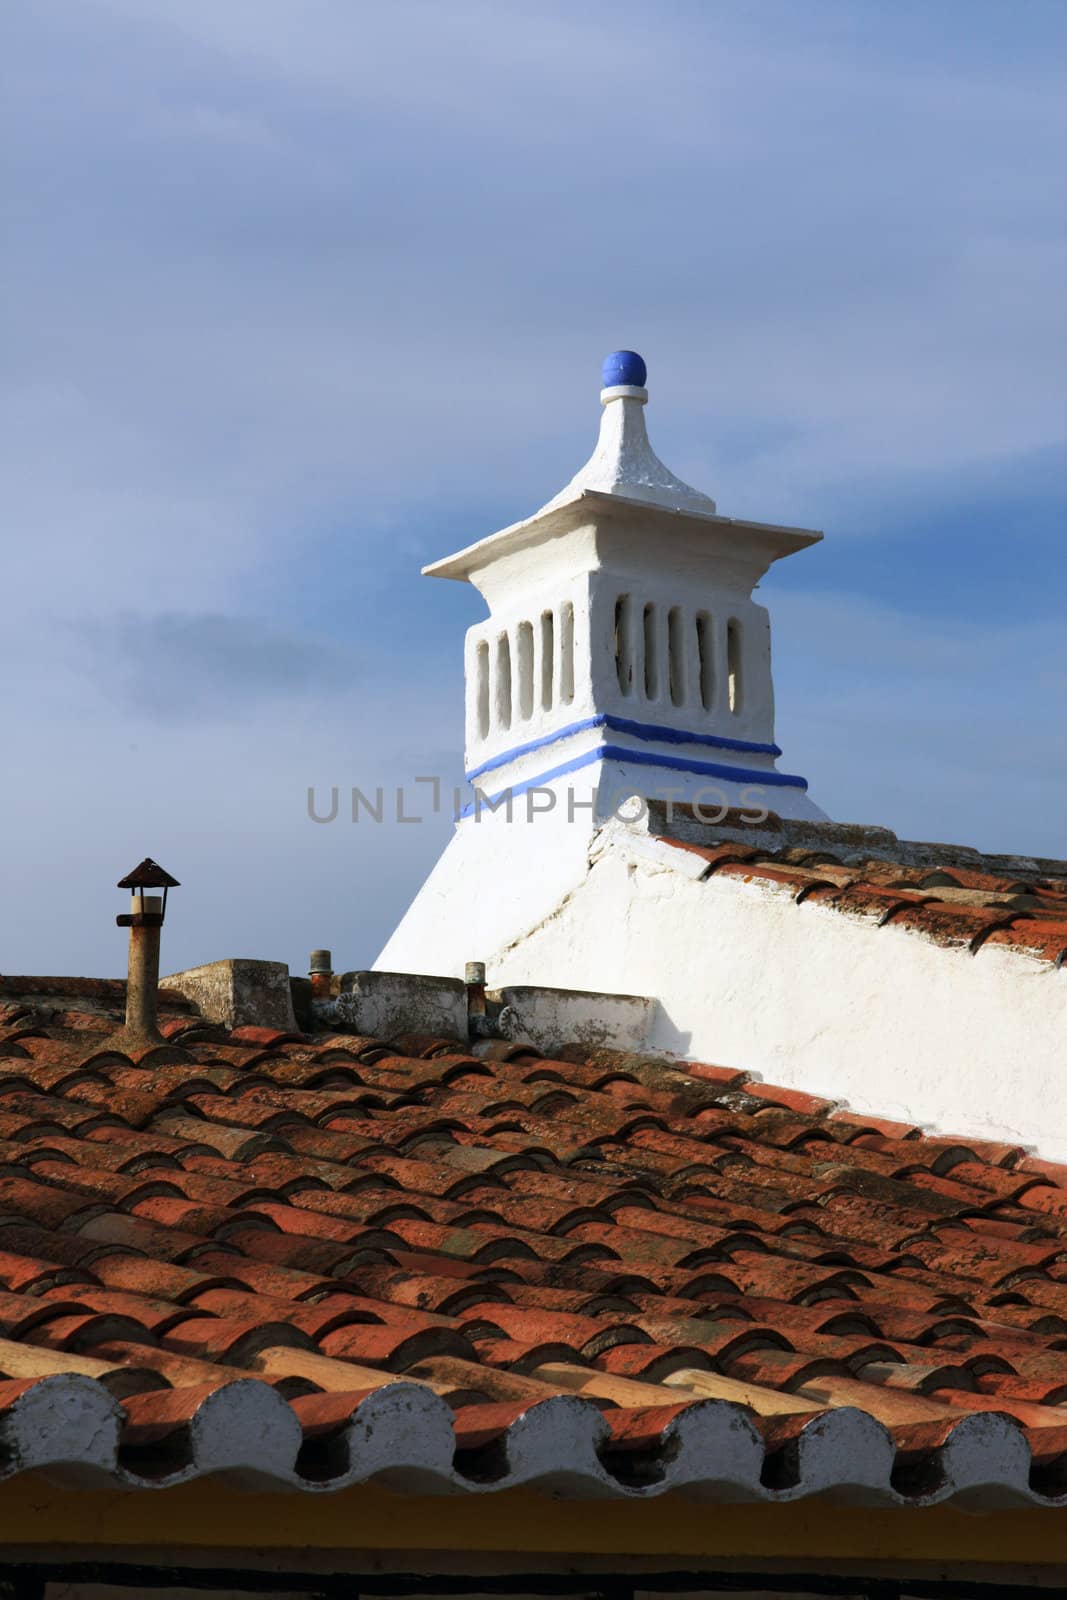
point(175, 667)
point(221, 801)
point(304, 296)
point(935, 727)
point(220, 126)
point(827, 242)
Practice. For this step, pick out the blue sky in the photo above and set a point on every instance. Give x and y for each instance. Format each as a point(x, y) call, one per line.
point(302, 296)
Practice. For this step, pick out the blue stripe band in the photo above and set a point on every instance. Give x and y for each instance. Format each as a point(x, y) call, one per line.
point(535, 744)
point(637, 730)
point(642, 758)
point(709, 769)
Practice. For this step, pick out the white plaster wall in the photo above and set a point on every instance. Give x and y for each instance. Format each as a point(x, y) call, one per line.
point(550, 1018)
point(238, 993)
point(498, 880)
point(617, 777)
point(811, 998)
point(754, 719)
point(712, 794)
point(494, 882)
point(385, 1004)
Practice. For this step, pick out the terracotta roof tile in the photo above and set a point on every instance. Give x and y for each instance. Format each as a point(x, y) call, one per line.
point(314, 1232)
point(1047, 939)
point(957, 906)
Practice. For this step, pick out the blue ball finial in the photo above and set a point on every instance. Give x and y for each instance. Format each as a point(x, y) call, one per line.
point(623, 367)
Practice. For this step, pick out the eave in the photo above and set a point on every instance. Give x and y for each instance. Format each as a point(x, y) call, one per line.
point(358, 1526)
point(767, 541)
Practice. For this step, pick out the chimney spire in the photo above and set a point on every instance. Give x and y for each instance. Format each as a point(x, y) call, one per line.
point(624, 463)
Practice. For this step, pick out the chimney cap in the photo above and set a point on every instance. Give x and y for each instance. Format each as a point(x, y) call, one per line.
point(148, 875)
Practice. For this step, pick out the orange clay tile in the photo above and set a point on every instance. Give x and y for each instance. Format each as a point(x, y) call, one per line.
point(327, 1216)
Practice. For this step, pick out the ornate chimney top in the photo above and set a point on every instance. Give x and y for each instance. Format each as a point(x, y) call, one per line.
point(623, 634)
point(623, 656)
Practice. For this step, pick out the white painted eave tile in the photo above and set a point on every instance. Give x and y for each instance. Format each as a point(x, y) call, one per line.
point(401, 1437)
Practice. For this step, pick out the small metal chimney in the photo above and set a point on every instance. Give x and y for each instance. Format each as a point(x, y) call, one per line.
point(474, 979)
point(320, 974)
point(144, 920)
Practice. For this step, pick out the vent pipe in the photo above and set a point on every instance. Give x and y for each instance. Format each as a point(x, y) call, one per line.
point(320, 974)
point(144, 920)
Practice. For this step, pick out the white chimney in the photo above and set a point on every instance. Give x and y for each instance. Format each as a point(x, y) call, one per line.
point(623, 655)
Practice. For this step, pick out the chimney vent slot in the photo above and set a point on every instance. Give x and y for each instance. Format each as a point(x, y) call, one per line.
point(706, 659)
point(733, 663)
point(624, 644)
point(482, 688)
point(525, 666)
point(651, 663)
point(566, 652)
point(502, 683)
point(676, 655)
point(548, 635)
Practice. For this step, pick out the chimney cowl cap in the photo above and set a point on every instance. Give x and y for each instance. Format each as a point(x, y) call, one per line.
point(148, 875)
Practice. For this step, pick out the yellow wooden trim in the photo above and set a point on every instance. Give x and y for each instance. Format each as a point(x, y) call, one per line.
point(207, 1516)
